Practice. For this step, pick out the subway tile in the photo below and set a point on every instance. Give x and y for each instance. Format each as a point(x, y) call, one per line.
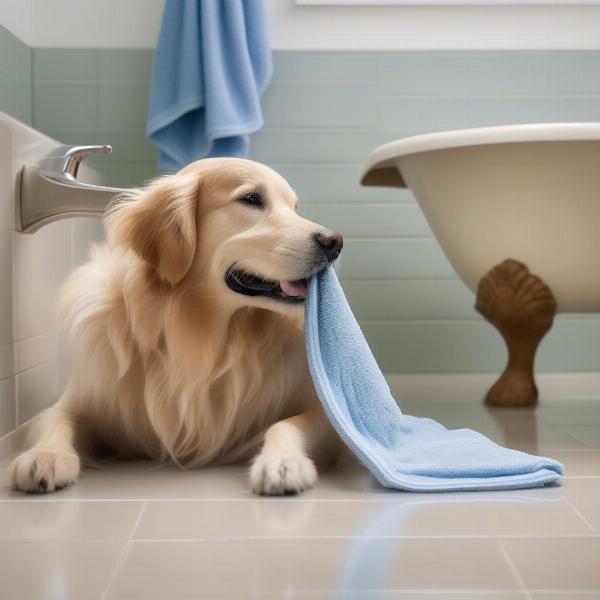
point(85, 231)
point(128, 146)
point(311, 90)
point(122, 105)
point(316, 146)
point(60, 105)
point(393, 258)
point(42, 263)
point(22, 63)
point(24, 112)
point(324, 66)
point(487, 74)
point(474, 347)
point(15, 56)
point(9, 102)
point(15, 97)
point(434, 114)
point(6, 275)
point(435, 346)
point(410, 299)
point(125, 64)
point(7, 360)
point(65, 64)
point(8, 415)
point(302, 104)
point(569, 345)
point(318, 182)
point(128, 174)
point(369, 220)
point(36, 389)
point(32, 351)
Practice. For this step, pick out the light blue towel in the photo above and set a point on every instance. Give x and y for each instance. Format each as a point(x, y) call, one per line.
point(211, 65)
point(401, 451)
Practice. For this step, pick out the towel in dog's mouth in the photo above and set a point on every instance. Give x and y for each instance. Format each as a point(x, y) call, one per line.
point(292, 292)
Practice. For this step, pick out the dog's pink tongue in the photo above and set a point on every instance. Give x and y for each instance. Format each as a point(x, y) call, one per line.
point(293, 288)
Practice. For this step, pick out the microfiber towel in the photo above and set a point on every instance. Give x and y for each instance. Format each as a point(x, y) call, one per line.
point(401, 451)
point(211, 65)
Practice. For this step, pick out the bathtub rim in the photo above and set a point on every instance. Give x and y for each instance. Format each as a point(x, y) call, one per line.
point(382, 168)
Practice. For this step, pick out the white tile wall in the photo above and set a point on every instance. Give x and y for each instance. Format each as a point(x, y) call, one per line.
point(32, 268)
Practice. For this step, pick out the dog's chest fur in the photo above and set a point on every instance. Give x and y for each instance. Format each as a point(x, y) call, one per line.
point(169, 380)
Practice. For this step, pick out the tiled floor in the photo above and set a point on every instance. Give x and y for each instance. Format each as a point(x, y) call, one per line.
point(141, 531)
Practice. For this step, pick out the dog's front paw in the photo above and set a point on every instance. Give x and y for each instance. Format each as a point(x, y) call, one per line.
point(40, 471)
point(277, 475)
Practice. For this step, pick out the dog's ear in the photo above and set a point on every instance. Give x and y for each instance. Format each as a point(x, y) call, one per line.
point(158, 223)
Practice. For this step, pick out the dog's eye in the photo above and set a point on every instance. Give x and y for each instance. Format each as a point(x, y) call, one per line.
point(253, 200)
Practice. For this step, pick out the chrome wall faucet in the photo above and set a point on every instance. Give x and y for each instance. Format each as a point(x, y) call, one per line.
point(49, 189)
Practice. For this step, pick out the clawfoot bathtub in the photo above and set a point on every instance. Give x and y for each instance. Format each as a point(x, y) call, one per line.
point(517, 211)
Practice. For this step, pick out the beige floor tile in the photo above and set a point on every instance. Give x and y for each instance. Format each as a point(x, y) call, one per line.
point(554, 595)
point(56, 570)
point(589, 435)
point(332, 595)
point(141, 480)
point(578, 463)
point(584, 495)
point(312, 565)
point(558, 563)
point(575, 416)
point(202, 534)
point(410, 516)
point(540, 439)
point(55, 520)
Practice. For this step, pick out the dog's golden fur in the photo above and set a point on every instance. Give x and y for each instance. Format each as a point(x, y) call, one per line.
point(168, 361)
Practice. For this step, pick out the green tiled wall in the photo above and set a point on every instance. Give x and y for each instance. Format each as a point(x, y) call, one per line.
point(92, 96)
point(324, 112)
point(15, 77)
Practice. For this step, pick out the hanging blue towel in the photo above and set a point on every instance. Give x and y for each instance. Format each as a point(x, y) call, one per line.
point(401, 451)
point(211, 65)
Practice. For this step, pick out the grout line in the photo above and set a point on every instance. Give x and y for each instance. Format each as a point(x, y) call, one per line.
point(368, 499)
point(486, 98)
point(124, 554)
point(294, 536)
point(389, 238)
point(514, 570)
point(404, 280)
point(361, 204)
point(579, 514)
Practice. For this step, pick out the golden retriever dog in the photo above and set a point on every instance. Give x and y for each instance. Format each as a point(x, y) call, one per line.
point(187, 338)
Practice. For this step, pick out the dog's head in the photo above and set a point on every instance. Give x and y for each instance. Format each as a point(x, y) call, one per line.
point(229, 225)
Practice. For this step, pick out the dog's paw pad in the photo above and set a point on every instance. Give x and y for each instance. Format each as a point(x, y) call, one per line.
point(279, 476)
point(41, 471)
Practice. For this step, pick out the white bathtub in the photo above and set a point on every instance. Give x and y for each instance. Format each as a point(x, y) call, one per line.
point(528, 192)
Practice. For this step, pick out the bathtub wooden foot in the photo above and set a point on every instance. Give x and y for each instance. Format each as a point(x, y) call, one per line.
point(522, 308)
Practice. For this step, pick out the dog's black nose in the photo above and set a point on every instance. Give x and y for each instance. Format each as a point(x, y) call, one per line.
point(330, 243)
